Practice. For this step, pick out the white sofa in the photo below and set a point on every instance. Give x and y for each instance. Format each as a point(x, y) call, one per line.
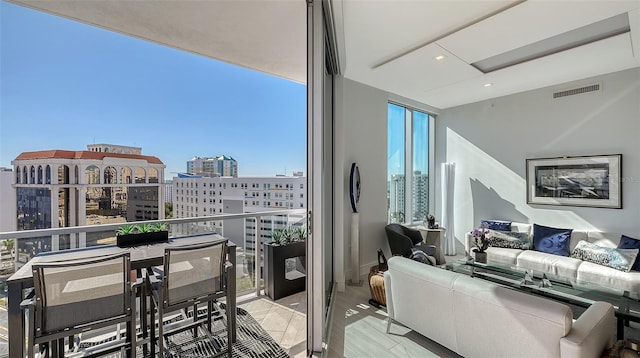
point(579, 270)
point(476, 318)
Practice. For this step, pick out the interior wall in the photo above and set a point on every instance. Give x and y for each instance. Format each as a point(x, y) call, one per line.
point(490, 140)
point(360, 136)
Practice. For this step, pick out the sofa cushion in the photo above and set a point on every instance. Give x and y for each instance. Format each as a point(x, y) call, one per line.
point(551, 240)
point(509, 239)
point(588, 272)
point(554, 264)
point(627, 242)
point(502, 256)
point(496, 225)
point(619, 259)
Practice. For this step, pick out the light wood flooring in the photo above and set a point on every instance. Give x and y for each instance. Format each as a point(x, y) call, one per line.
point(359, 330)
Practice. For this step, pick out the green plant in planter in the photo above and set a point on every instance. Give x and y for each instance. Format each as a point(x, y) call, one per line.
point(144, 228)
point(287, 236)
point(159, 227)
point(276, 237)
point(126, 229)
point(299, 232)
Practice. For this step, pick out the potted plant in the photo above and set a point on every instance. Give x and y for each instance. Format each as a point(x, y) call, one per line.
point(481, 240)
point(285, 262)
point(142, 234)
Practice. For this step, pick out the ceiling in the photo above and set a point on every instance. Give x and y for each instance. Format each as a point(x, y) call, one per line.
point(386, 44)
point(393, 44)
point(264, 35)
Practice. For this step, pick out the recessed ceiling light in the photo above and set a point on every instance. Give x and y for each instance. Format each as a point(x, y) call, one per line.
point(439, 57)
point(488, 84)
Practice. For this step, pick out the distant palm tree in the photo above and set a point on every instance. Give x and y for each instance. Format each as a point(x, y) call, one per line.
point(9, 244)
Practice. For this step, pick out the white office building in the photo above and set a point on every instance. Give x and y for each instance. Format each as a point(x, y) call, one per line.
point(197, 196)
point(7, 200)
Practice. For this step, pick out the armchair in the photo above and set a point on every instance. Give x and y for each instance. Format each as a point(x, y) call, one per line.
point(404, 241)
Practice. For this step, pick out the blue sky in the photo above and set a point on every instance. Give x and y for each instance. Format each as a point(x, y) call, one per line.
point(64, 85)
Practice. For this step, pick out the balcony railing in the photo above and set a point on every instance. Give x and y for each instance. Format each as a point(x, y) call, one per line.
point(247, 231)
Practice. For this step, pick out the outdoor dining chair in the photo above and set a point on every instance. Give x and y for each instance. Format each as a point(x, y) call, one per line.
point(193, 278)
point(82, 298)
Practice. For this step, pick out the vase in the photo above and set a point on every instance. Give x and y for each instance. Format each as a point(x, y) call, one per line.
point(481, 257)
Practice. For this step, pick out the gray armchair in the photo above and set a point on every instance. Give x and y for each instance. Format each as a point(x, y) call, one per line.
point(407, 242)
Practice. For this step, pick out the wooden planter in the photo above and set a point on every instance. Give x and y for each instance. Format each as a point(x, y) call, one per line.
point(280, 280)
point(142, 238)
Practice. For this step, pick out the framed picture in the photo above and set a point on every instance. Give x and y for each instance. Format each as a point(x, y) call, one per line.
point(593, 181)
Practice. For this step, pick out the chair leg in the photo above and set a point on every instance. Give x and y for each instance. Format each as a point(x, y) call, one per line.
point(229, 339)
point(389, 324)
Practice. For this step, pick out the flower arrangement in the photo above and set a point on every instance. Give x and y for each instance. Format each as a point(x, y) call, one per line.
point(480, 238)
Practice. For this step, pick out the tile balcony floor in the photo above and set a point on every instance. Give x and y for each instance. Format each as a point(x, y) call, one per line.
point(285, 320)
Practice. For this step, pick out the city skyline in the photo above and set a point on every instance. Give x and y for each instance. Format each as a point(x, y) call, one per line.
point(66, 85)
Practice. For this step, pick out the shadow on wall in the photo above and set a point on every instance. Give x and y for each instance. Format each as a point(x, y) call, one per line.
point(487, 204)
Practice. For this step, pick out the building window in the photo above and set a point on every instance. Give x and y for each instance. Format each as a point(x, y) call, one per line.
point(408, 139)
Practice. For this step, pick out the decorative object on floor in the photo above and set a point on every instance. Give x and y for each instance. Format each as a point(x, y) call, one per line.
point(448, 180)
point(593, 181)
point(629, 348)
point(376, 286)
point(251, 341)
point(285, 262)
point(354, 196)
point(482, 243)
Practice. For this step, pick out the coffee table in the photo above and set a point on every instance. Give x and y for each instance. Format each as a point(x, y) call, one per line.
point(562, 289)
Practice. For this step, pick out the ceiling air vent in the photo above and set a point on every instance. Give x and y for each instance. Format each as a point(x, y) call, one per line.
point(580, 90)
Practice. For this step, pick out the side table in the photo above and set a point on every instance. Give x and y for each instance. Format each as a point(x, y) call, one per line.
point(376, 286)
point(434, 237)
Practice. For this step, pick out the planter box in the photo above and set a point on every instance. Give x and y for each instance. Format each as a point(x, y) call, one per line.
point(142, 238)
point(284, 269)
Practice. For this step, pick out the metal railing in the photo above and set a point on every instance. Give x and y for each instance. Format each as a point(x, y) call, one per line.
point(238, 228)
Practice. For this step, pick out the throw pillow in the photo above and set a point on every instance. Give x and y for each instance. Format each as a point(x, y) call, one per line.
point(509, 239)
point(551, 240)
point(627, 242)
point(496, 225)
point(619, 259)
point(420, 256)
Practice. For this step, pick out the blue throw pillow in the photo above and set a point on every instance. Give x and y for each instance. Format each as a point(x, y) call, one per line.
point(551, 240)
point(627, 242)
point(496, 225)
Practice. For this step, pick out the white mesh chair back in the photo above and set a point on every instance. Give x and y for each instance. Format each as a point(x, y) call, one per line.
point(73, 293)
point(194, 271)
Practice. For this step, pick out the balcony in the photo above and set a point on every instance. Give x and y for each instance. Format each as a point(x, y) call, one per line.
point(284, 320)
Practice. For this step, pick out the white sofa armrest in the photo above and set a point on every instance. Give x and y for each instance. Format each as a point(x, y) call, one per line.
point(468, 243)
point(590, 334)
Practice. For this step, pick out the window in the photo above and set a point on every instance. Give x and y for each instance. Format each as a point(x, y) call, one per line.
point(407, 164)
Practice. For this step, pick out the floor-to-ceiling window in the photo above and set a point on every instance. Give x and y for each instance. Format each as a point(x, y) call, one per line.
point(408, 138)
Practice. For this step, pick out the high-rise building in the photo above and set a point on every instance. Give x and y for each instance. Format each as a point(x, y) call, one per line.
point(62, 188)
point(168, 191)
point(197, 196)
point(220, 166)
point(419, 198)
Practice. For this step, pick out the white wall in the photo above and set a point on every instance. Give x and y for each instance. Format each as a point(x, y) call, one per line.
point(490, 140)
point(360, 135)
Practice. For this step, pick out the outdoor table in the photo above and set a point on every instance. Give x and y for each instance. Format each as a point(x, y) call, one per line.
point(143, 256)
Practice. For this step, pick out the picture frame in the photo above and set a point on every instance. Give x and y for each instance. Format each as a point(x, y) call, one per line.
point(591, 181)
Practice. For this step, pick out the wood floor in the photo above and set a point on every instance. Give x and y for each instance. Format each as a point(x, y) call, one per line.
point(359, 330)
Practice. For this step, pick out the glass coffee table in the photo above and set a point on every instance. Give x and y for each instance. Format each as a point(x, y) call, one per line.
point(562, 289)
